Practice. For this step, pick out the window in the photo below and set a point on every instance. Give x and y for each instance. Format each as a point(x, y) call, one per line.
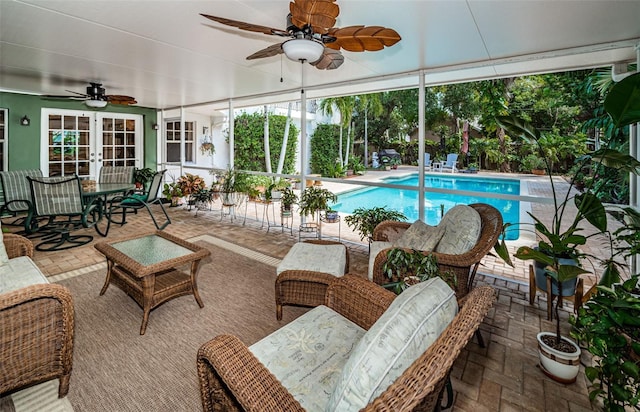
point(173, 141)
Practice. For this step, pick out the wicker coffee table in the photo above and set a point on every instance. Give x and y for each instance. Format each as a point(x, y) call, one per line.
point(147, 269)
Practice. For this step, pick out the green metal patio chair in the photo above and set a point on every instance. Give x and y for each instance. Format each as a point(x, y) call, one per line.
point(60, 199)
point(121, 205)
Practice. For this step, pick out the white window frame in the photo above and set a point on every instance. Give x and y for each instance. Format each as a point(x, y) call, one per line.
point(4, 137)
point(189, 140)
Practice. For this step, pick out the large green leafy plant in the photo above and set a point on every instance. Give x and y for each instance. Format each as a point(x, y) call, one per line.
point(609, 324)
point(563, 236)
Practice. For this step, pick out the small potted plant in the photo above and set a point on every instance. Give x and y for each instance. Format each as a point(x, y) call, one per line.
point(315, 199)
point(330, 215)
point(406, 267)
point(288, 199)
point(190, 183)
point(364, 220)
point(172, 192)
point(142, 177)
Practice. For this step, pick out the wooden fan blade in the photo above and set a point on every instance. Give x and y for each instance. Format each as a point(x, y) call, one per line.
point(247, 26)
point(363, 38)
point(319, 14)
point(330, 59)
point(120, 99)
point(273, 50)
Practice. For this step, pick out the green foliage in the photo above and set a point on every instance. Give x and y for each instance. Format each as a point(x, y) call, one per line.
point(289, 197)
point(609, 324)
point(406, 267)
point(249, 142)
point(532, 162)
point(355, 164)
point(143, 176)
point(364, 220)
point(324, 149)
point(314, 199)
point(172, 189)
point(233, 180)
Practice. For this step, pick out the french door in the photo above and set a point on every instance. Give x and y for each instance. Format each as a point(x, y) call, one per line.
point(78, 142)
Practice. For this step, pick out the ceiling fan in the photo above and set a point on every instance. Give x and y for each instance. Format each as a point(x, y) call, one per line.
point(313, 38)
point(96, 97)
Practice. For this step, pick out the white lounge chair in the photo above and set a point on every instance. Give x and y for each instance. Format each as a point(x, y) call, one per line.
point(450, 163)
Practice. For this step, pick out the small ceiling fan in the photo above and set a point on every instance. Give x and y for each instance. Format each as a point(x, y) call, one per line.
point(96, 97)
point(313, 38)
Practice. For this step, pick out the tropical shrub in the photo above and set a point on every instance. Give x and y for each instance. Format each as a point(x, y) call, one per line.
point(249, 142)
point(324, 149)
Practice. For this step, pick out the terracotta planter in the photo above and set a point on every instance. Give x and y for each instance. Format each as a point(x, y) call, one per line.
point(539, 172)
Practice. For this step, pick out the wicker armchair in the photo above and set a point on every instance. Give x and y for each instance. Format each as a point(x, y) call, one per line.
point(232, 379)
point(36, 330)
point(464, 266)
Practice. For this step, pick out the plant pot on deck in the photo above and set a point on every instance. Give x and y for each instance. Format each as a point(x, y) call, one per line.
point(568, 287)
point(559, 365)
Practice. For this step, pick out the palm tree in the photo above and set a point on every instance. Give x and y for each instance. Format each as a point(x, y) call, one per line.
point(368, 103)
point(344, 105)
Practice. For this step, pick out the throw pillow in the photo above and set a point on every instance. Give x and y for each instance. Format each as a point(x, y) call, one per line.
point(462, 227)
point(4, 258)
point(420, 236)
point(376, 247)
point(413, 321)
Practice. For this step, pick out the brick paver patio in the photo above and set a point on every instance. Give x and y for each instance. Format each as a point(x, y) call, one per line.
point(503, 376)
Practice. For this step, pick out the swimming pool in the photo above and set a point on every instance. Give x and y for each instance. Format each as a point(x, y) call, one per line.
point(406, 201)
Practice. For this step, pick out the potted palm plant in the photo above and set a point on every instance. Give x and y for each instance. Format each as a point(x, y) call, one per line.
point(562, 239)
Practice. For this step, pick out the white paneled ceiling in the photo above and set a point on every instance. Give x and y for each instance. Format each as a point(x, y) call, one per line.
point(166, 55)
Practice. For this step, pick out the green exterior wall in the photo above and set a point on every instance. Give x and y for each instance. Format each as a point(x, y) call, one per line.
point(23, 143)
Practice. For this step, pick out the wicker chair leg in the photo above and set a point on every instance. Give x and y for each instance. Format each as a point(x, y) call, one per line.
point(278, 311)
point(64, 385)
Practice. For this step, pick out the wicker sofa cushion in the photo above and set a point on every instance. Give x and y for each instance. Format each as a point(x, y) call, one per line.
point(375, 248)
point(404, 331)
point(330, 259)
point(462, 227)
point(307, 354)
point(420, 236)
point(18, 273)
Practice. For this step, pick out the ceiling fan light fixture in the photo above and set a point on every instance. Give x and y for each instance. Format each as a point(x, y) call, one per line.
point(96, 103)
point(303, 50)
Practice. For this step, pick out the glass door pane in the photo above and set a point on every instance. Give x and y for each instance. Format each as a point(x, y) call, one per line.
point(68, 144)
point(121, 139)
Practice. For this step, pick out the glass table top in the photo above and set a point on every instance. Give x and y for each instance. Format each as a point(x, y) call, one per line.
point(152, 249)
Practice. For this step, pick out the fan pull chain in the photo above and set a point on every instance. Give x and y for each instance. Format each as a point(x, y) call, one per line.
point(281, 68)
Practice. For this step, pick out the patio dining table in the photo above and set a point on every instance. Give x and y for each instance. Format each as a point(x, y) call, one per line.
point(101, 192)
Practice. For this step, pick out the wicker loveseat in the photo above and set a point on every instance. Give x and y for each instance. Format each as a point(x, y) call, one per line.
point(36, 323)
point(463, 266)
point(234, 378)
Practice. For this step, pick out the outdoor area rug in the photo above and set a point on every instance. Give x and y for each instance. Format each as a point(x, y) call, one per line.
point(117, 369)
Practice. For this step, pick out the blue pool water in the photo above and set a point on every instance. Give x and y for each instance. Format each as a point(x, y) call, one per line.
point(406, 201)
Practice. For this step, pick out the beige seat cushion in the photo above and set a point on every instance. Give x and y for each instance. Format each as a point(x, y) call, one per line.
point(462, 227)
point(413, 321)
point(420, 236)
point(330, 259)
point(42, 398)
point(307, 354)
point(18, 273)
point(374, 249)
